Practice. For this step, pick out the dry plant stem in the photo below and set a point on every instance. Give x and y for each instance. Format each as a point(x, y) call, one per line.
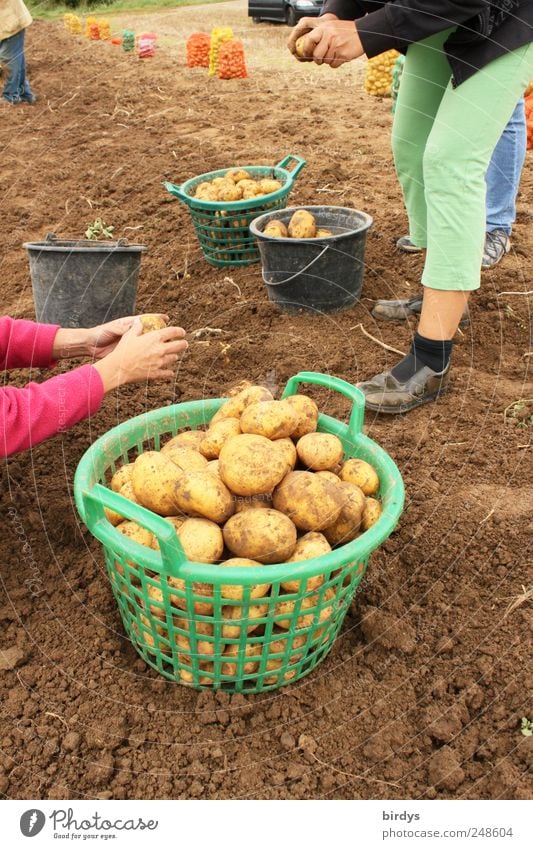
point(519, 600)
point(377, 341)
point(501, 294)
point(352, 775)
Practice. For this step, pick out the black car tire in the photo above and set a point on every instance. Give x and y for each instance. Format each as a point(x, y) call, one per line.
point(290, 17)
point(256, 20)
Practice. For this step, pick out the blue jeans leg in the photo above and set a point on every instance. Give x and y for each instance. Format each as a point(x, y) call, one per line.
point(17, 87)
point(504, 171)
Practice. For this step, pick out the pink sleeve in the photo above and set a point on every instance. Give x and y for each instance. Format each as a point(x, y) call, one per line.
point(25, 343)
point(32, 414)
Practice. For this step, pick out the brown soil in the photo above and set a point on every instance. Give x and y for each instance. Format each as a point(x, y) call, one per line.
point(423, 693)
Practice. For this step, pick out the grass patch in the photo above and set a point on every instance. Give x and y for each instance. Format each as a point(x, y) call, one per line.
point(49, 10)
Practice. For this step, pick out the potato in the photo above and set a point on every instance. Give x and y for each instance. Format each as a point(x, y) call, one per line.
point(199, 647)
point(273, 419)
point(236, 619)
point(202, 540)
point(322, 233)
point(248, 185)
point(145, 632)
point(154, 478)
point(310, 545)
point(234, 406)
point(264, 535)
point(311, 502)
point(229, 192)
point(362, 474)
point(330, 476)
point(155, 594)
point(138, 534)
point(251, 502)
point(186, 642)
point(348, 523)
point(251, 464)
point(283, 641)
point(234, 654)
point(307, 412)
point(237, 591)
point(186, 675)
point(121, 476)
point(303, 48)
point(151, 322)
point(176, 522)
point(201, 188)
point(127, 492)
point(268, 186)
point(277, 229)
point(221, 181)
point(275, 664)
point(320, 452)
point(238, 174)
point(302, 225)
point(203, 494)
point(371, 513)
point(217, 435)
point(288, 449)
point(309, 603)
point(186, 459)
point(213, 467)
point(186, 439)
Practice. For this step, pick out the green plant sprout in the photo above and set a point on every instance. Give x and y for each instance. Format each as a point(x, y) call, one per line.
point(527, 727)
point(99, 229)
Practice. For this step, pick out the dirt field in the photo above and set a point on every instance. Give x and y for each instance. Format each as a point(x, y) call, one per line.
point(423, 693)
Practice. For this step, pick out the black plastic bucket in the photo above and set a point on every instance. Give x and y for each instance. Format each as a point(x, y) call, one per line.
point(318, 275)
point(83, 283)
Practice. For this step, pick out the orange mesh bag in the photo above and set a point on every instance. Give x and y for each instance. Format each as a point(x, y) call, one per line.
point(231, 64)
point(198, 45)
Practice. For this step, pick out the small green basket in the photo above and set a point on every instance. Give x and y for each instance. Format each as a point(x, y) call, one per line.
point(223, 227)
point(178, 614)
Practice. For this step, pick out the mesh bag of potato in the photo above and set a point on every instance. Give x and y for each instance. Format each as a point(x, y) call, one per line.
point(223, 203)
point(378, 77)
point(218, 36)
point(231, 63)
point(237, 531)
point(198, 46)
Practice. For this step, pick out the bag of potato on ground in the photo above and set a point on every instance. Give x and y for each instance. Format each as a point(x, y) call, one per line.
point(218, 35)
point(378, 78)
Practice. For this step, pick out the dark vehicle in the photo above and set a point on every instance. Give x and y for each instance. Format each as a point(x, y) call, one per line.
point(289, 11)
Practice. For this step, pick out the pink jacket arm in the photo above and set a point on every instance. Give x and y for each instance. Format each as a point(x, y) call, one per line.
point(32, 414)
point(26, 343)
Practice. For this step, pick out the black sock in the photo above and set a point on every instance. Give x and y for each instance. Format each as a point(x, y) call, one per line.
point(434, 353)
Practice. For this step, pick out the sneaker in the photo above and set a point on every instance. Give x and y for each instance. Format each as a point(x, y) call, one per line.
point(497, 244)
point(401, 310)
point(385, 394)
point(405, 244)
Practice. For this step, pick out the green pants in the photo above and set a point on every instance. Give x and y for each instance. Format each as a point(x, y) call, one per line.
point(442, 140)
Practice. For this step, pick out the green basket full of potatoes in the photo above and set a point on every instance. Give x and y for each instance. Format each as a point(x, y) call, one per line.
point(223, 203)
point(236, 531)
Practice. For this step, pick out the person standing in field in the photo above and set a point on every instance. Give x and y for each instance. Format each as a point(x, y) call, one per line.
point(14, 18)
point(466, 66)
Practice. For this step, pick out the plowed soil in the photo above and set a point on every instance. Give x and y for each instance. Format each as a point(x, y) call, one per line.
point(423, 693)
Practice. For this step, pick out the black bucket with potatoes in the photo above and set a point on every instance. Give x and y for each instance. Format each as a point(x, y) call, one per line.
point(322, 274)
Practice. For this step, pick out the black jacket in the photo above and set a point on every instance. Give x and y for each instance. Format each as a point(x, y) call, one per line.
point(484, 30)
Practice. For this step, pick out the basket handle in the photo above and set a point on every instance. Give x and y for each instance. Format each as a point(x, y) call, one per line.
point(300, 163)
point(355, 423)
point(176, 190)
point(94, 501)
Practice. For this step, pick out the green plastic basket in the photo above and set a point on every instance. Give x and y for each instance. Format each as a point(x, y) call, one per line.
point(174, 611)
point(222, 227)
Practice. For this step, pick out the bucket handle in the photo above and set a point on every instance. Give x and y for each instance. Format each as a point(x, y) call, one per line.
point(301, 270)
point(94, 501)
point(355, 423)
point(286, 161)
point(176, 190)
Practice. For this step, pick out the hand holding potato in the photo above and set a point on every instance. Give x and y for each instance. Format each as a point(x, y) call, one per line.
point(141, 356)
point(328, 41)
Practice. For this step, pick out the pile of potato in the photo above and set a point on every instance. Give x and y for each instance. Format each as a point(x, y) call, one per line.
point(237, 184)
point(302, 225)
point(259, 486)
